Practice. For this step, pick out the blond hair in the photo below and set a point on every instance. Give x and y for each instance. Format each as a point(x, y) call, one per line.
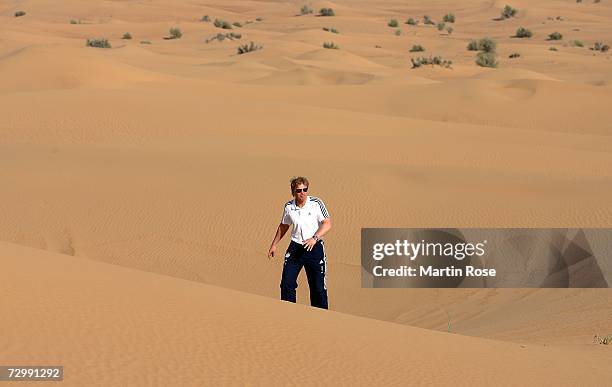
point(297, 180)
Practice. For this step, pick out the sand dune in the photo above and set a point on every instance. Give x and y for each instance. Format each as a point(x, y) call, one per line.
point(173, 158)
point(110, 325)
point(53, 67)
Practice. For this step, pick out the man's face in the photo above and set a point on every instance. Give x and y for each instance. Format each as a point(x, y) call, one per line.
point(300, 193)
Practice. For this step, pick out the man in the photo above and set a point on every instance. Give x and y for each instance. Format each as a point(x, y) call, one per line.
point(310, 221)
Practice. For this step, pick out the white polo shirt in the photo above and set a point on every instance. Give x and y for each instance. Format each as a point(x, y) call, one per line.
point(305, 220)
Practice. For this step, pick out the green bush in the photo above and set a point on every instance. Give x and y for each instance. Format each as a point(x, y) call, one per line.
point(555, 36)
point(305, 10)
point(508, 12)
point(220, 23)
point(487, 45)
point(578, 43)
point(398, 32)
point(435, 60)
point(486, 59)
point(326, 12)
point(98, 43)
point(605, 340)
point(237, 24)
point(175, 33)
point(221, 37)
point(427, 20)
point(330, 45)
point(243, 49)
point(417, 48)
point(600, 46)
point(412, 22)
point(449, 30)
point(127, 35)
point(393, 23)
point(20, 13)
point(441, 26)
point(522, 32)
point(449, 18)
point(472, 45)
point(205, 18)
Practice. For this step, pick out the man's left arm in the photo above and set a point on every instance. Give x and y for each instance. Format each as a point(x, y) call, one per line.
point(324, 227)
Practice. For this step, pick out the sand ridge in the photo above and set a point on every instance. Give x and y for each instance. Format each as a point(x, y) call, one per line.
point(112, 325)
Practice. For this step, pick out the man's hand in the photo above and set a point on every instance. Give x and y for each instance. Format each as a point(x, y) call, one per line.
point(309, 244)
point(271, 251)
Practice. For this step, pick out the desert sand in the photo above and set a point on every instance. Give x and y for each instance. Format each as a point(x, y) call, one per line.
point(141, 185)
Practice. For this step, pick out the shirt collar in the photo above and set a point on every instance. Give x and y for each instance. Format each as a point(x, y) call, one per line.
point(295, 206)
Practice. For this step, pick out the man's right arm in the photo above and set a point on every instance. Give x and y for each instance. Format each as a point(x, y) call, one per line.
point(280, 233)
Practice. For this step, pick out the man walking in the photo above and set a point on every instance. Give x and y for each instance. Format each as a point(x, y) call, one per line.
point(310, 221)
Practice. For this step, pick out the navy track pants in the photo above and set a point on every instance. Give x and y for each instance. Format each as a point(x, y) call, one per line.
point(315, 263)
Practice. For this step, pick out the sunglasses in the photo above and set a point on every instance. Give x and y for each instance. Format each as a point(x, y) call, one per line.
point(298, 190)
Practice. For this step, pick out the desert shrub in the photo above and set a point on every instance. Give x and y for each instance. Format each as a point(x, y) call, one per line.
point(412, 22)
point(435, 60)
point(449, 18)
point(441, 26)
point(522, 32)
point(243, 49)
point(578, 43)
point(555, 36)
point(487, 45)
point(98, 43)
point(330, 45)
point(221, 37)
point(417, 48)
point(398, 32)
point(305, 10)
point(259, 18)
point(472, 45)
point(508, 12)
point(449, 30)
point(74, 21)
point(605, 340)
point(205, 18)
point(175, 33)
point(237, 24)
point(553, 49)
point(145, 42)
point(486, 59)
point(514, 55)
point(332, 29)
point(393, 23)
point(427, 20)
point(20, 13)
point(600, 46)
point(326, 12)
point(220, 23)
point(127, 35)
